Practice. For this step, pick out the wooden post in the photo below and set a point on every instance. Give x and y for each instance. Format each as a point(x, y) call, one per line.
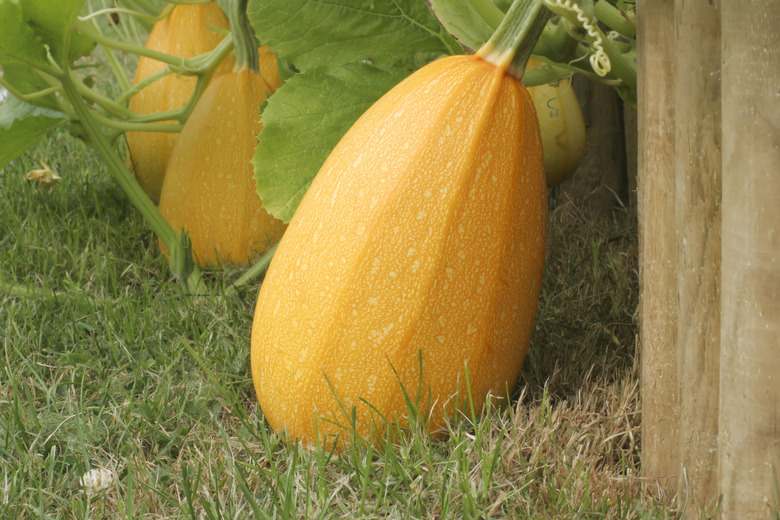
point(749, 456)
point(698, 195)
point(709, 131)
point(657, 240)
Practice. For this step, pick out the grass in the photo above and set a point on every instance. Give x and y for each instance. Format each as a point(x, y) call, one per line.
point(106, 365)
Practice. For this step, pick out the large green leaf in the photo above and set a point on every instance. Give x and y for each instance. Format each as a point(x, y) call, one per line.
point(21, 126)
point(19, 43)
point(302, 123)
point(472, 23)
point(33, 30)
point(327, 34)
point(53, 21)
point(349, 52)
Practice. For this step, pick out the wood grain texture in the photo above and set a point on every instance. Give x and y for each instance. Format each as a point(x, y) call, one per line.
point(656, 188)
point(749, 456)
point(697, 214)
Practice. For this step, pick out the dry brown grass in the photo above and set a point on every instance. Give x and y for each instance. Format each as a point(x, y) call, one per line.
point(576, 418)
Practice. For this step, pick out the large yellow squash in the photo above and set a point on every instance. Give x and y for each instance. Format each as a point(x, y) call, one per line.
point(422, 237)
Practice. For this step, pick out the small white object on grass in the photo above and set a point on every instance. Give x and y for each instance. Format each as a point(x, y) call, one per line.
point(96, 480)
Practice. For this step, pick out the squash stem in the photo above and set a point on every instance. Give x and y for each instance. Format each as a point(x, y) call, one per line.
point(621, 65)
point(118, 70)
point(22, 291)
point(512, 43)
point(201, 66)
point(257, 270)
point(614, 18)
point(244, 36)
point(121, 46)
point(116, 167)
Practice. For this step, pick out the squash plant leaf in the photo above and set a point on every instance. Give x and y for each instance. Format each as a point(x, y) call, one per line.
point(53, 22)
point(471, 23)
point(349, 53)
point(303, 121)
point(19, 43)
point(21, 126)
point(31, 31)
point(326, 34)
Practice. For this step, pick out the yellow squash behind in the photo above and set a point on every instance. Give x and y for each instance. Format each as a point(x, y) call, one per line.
point(561, 125)
point(187, 31)
point(209, 188)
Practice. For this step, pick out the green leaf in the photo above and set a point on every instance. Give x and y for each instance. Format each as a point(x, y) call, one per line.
point(28, 80)
point(326, 34)
point(12, 110)
point(33, 30)
point(470, 22)
point(21, 126)
point(303, 121)
point(53, 21)
point(19, 43)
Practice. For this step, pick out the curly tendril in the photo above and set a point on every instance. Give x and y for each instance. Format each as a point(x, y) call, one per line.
point(599, 59)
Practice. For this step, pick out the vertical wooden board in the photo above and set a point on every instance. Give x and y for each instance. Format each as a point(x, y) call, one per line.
point(749, 456)
point(657, 313)
point(698, 195)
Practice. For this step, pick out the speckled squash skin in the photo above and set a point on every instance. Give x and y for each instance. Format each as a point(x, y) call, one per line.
point(422, 234)
point(184, 32)
point(209, 187)
point(562, 128)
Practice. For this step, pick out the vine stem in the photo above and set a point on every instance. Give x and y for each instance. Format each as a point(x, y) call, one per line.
point(613, 18)
point(178, 64)
point(512, 43)
point(116, 167)
point(21, 291)
point(253, 272)
point(244, 36)
point(620, 64)
point(138, 126)
point(129, 48)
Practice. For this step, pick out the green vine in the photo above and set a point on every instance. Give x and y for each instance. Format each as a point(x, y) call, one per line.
point(117, 169)
point(246, 46)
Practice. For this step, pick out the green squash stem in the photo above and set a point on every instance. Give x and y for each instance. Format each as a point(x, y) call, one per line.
point(118, 170)
point(514, 40)
point(246, 45)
